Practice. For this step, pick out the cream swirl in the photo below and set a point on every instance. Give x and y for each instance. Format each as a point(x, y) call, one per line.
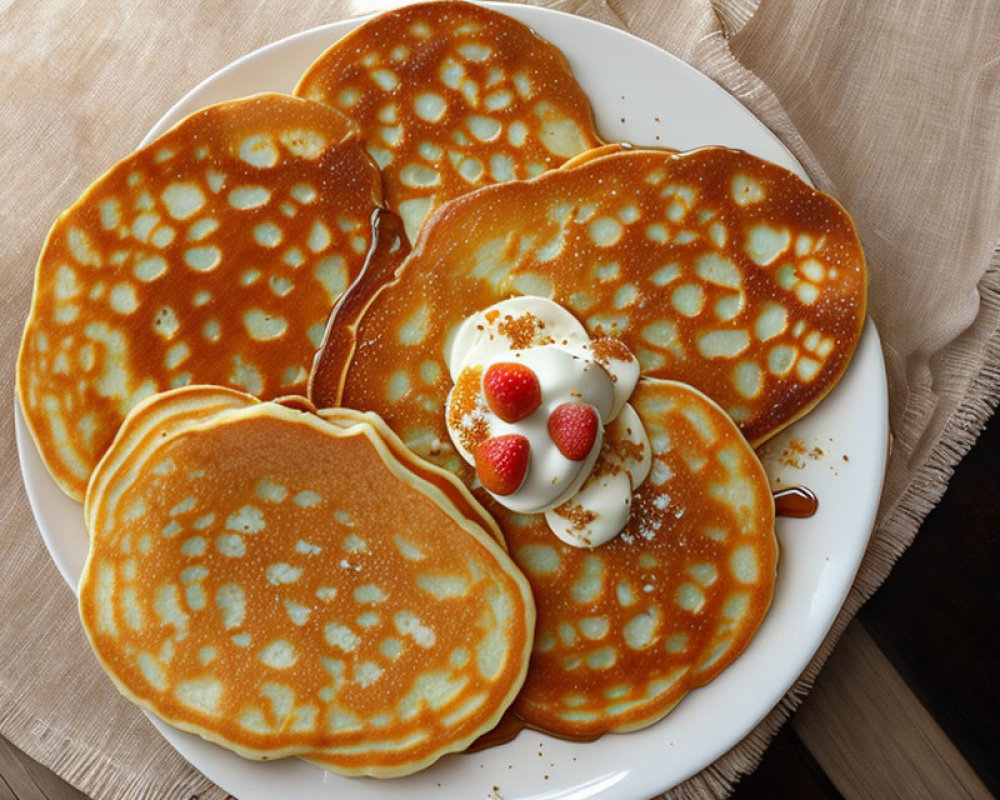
point(586, 497)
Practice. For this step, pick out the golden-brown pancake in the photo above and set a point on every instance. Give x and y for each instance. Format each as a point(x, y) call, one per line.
point(284, 586)
point(452, 96)
point(714, 267)
point(600, 152)
point(149, 422)
point(213, 255)
point(626, 629)
point(455, 490)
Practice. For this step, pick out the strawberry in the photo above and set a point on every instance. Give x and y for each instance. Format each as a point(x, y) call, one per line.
point(502, 463)
point(573, 428)
point(512, 390)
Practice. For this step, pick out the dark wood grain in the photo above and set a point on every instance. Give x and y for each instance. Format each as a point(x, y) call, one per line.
point(788, 770)
point(22, 778)
point(937, 621)
point(937, 618)
point(871, 735)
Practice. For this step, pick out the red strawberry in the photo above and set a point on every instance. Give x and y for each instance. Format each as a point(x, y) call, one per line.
point(573, 428)
point(512, 390)
point(502, 463)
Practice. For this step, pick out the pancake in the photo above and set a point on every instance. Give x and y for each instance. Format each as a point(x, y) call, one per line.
point(149, 422)
point(627, 629)
point(450, 97)
point(213, 255)
point(453, 488)
point(283, 586)
point(603, 150)
point(715, 269)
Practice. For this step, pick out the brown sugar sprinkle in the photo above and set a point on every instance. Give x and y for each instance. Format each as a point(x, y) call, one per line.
point(612, 456)
point(463, 409)
point(520, 330)
point(578, 516)
point(607, 350)
point(605, 466)
point(626, 450)
point(476, 431)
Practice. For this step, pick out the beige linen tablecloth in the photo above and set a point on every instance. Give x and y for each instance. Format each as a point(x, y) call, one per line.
point(892, 105)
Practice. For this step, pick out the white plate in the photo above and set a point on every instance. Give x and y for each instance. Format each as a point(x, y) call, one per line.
point(663, 101)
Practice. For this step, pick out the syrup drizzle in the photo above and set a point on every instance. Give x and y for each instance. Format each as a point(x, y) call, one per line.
point(329, 371)
point(510, 725)
point(796, 501)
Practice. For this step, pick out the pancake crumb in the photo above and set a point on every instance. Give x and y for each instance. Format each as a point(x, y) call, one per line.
point(791, 455)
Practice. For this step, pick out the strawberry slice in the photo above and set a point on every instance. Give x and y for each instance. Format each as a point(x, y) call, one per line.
point(573, 428)
point(502, 463)
point(512, 390)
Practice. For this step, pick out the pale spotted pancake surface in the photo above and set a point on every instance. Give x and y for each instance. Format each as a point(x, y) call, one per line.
point(714, 267)
point(149, 422)
point(452, 96)
point(157, 416)
point(284, 586)
point(627, 629)
point(455, 490)
point(213, 255)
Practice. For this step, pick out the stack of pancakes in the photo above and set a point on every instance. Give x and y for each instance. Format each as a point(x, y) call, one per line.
point(248, 581)
point(320, 577)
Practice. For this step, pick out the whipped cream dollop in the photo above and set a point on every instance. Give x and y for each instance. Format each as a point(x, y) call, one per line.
point(586, 498)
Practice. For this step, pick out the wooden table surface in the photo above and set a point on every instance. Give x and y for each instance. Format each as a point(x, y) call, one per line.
point(908, 706)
